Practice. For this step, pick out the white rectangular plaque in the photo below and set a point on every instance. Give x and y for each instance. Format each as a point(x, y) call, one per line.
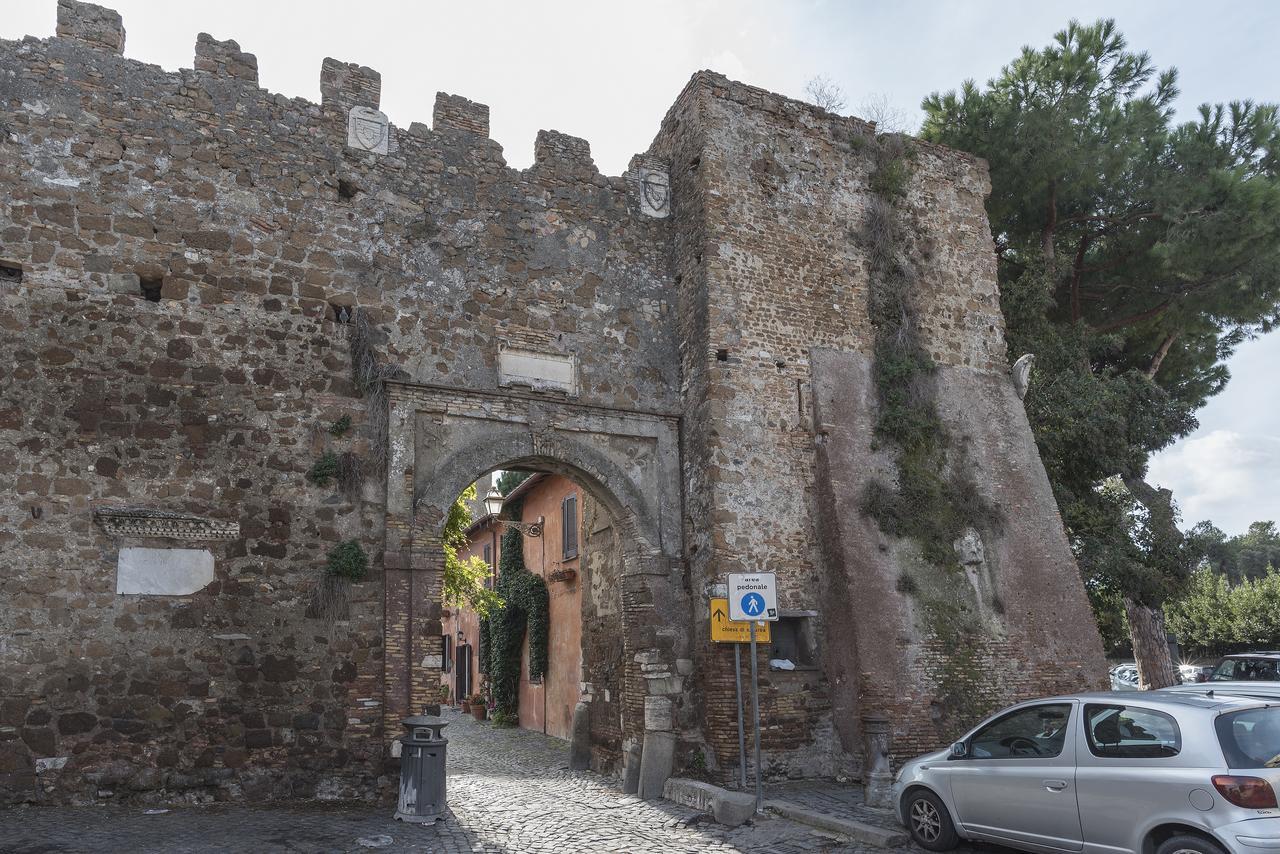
point(539, 371)
point(163, 572)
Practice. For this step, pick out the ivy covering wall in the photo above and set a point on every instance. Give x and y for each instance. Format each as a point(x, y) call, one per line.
point(934, 500)
point(525, 608)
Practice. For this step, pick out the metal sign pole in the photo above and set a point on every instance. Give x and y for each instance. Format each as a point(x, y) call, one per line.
point(737, 686)
point(755, 711)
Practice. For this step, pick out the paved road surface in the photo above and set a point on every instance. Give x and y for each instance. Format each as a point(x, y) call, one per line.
point(509, 791)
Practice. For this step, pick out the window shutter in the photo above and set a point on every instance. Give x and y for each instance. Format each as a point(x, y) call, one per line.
point(569, 526)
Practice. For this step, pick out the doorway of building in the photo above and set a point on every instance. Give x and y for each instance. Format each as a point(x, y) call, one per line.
point(462, 679)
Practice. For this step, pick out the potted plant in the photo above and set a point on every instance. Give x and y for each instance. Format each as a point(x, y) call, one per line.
point(478, 710)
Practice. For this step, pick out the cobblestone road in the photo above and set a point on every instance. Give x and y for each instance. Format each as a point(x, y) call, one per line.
point(509, 791)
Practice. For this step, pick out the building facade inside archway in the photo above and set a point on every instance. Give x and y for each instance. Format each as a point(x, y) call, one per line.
point(574, 550)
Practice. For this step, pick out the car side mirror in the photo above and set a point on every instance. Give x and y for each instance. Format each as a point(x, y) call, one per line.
point(959, 750)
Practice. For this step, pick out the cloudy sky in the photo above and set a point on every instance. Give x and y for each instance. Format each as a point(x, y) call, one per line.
point(607, 71)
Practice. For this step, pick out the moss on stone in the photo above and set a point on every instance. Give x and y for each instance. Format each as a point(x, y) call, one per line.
point(932, 501)
point(324, 470)
point(348, 560)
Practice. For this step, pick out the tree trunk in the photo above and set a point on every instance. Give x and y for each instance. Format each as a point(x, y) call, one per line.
point(1150, 646)
point(1050, 224)
point(1158, 359)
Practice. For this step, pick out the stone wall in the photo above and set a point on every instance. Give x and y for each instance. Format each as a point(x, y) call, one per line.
point(602, 655)
point(184, 253)
point(183, 259)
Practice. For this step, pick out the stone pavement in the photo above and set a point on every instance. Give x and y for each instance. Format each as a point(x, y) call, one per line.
point(509, 791)
point(825, 796)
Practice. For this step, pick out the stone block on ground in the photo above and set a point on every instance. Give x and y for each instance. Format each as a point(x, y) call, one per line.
point(631, 769)
point(580, 743)
point(656, 761)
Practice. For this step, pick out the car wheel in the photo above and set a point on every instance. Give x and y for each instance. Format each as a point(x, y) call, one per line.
point(1186, 844)
point(929, 823)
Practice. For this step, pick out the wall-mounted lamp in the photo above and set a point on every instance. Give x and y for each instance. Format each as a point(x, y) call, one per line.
point(493, 501)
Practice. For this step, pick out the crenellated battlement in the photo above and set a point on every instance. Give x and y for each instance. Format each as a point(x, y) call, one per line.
point(347, 89)
point(225, 58)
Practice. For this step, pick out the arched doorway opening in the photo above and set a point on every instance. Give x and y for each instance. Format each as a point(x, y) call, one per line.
point(531, 618)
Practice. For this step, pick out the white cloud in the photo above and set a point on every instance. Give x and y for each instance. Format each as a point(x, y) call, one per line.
point(1226, 477)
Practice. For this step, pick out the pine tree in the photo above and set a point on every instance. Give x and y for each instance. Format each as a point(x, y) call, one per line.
point(1134, 255)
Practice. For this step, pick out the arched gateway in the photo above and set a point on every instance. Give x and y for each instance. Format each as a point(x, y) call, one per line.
point(441, 440)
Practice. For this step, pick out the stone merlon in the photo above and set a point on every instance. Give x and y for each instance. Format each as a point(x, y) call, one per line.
point(226, 58)
point(93, 25)
point(344, 85)
point(453, 112)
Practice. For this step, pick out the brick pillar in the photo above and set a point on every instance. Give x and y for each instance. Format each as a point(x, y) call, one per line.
point(653, 684)
point(412, 646)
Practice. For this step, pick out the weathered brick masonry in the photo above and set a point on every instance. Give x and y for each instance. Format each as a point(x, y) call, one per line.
point(182, 255)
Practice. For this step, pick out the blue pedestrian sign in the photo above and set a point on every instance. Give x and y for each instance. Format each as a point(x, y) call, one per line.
point(753, 597)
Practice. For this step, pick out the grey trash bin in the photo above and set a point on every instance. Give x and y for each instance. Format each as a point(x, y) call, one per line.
point(422, 755)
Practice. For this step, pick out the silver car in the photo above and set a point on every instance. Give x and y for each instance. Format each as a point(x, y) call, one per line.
point(1150, 773)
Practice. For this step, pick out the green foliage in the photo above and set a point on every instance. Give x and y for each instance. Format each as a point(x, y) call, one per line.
point(464, 580)
point(890, 179)
point(324, 470)
point(348, 560)
point(929, 505)
point(504, 719)
point(525, 606)
point(1134, 255)
point(1243, 556)
point(1113, 624)
point(482, 651)
point(1215, 616)
point(509, 480)
point(340, 427)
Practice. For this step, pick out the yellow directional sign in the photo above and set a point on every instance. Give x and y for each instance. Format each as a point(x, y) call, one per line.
point(724, 630)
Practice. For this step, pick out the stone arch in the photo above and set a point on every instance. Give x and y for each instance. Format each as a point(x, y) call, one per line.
point(627, 462)
point(491, 449)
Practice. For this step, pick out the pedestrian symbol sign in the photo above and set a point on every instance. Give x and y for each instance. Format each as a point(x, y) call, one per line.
point(724, 630)
point(753, 596)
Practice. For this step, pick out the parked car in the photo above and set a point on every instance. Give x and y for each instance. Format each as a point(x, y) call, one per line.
point(1253, 690)
point(1124, 677)
point(1248, 667)
point(1164, 772)
point(1192, 673)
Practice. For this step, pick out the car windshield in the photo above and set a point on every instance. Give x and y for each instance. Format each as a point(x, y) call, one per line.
point(1033, 731)
point(1250, 738)
point(1245, 670)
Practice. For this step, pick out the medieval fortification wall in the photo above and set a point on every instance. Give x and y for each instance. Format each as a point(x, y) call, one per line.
point(184, 257)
